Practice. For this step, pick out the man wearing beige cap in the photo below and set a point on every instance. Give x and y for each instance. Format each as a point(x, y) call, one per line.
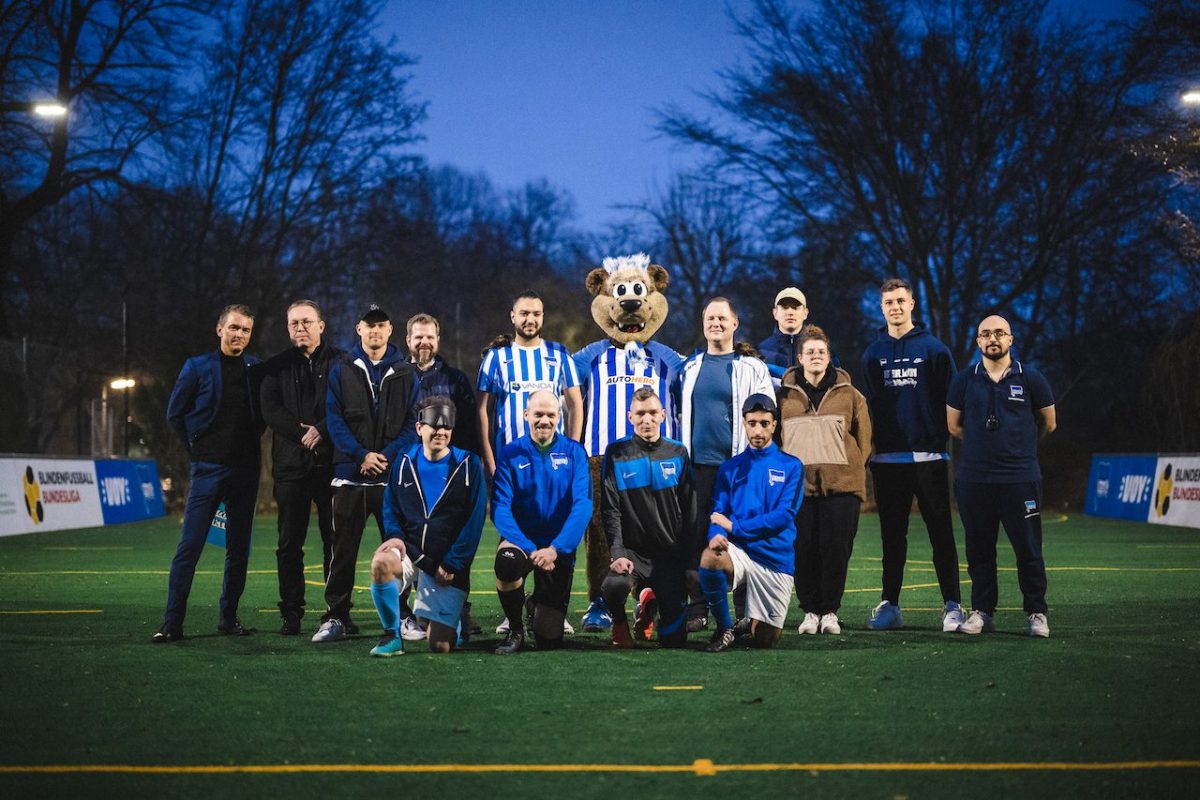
point(779, 349)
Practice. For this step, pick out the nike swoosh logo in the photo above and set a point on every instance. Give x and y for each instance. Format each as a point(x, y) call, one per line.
point(406, 485)
point(522, 466)
point(628, 474)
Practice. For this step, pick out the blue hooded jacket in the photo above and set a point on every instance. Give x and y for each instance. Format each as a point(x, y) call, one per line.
point(906, 384)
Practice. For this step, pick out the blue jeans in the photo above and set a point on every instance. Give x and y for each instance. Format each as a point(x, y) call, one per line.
point(210, 485)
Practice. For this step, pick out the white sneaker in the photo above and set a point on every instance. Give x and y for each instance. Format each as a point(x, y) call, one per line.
point(502, 628)
point(568, 630)
point(830, 624)
point(411, 630)
point(810, 625)
point(978, 622)
point(330, 631)
point(1038, 626)
point(952, 617)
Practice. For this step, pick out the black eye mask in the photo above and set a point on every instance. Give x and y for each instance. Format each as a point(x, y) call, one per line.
point(439, 416)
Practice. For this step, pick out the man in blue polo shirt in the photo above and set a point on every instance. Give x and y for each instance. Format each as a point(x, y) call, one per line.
point(541, 507)
point(999, 408)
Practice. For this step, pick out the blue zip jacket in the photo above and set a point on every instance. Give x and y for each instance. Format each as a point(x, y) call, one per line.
point(542, 500)
point(761, 492)
point(906, 384)
point(447, 535)
point(197, 395)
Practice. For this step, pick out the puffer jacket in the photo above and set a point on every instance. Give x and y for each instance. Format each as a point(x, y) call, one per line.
point(833, 440)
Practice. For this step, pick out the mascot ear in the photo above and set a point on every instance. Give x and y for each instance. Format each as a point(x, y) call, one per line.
point(596, 280)
point(659, 278)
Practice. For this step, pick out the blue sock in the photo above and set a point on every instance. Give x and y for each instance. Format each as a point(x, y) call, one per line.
point(715, 585)
point(387, 603)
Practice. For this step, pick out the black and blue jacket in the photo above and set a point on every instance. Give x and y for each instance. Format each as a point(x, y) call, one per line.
point(779, 353)
point(196, 397)
point(648, 501)
point(369, 408)
point(906, 384)
point(448, 534)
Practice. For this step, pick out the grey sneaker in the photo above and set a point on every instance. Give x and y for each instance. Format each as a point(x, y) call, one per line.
point(810, 625)
point(978, 622)
point(330, 631)
point(952, 617)
point(1038, 626)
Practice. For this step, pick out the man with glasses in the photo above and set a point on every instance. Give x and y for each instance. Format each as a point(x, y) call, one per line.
point(999, 408)
point(293, 406)
point(907, 374)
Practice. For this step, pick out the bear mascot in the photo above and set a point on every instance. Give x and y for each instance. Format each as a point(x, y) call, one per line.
point(629, 306)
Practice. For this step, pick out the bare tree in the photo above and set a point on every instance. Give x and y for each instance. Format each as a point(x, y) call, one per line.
point(976, 148)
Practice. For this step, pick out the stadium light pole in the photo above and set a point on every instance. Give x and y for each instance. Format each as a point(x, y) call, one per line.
point(123, 384)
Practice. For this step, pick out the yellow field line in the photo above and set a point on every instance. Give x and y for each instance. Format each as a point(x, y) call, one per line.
point(699, 767)
point(55, 611)
point(677, 688)
point(88, 547)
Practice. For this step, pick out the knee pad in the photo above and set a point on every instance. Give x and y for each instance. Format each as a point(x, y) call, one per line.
point(512, 564)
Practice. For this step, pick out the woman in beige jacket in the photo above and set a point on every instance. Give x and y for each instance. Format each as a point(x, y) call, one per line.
point(824, 422)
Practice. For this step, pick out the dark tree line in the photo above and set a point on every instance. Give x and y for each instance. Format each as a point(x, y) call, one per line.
point(997, 155)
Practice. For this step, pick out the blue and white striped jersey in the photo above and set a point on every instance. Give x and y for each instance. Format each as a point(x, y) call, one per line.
point(613, 375)
point(512, 373)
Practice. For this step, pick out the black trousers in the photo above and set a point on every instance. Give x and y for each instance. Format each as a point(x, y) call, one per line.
point(895, 487)
point(351, 507)
point(704, 477)
point(984, 507)
point(665, 575)
point(296, 499)
point(825, 531)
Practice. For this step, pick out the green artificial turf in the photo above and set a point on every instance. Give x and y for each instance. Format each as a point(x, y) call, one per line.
point(1115, 683)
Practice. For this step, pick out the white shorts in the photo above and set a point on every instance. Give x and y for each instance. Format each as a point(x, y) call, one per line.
point(768, 593)
point(440, 604)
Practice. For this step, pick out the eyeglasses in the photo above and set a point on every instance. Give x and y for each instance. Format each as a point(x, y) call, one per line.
point(997, 335)
point(299, 324)
point(815, 353)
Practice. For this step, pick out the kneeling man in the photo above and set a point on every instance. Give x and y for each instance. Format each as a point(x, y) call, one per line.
point(433, 511)
point(647, 508)
point(541, 507)
point(752, 534)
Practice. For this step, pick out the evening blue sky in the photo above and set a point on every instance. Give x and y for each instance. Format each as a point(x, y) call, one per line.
point(567, 90)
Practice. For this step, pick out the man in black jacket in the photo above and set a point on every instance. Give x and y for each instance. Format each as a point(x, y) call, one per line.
point(369, 407)
point(293, 406)
point(647, 504)
point(423, 339)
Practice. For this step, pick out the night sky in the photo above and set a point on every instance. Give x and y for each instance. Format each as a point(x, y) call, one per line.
point(566, 90)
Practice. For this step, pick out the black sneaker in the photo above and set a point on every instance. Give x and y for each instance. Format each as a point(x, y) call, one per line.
point(291, 626)
point(166, 635)
point(351, 628)
point(721, 640)
point(743, 628)
point(697, 624)
point(511, 643)
point(234, 627)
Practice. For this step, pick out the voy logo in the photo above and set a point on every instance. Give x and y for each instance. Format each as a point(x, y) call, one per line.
point(33, 497)
point(114, 491)
point(1133, 488)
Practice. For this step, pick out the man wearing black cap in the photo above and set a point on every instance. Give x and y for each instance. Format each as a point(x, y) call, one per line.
point(369, 412)
point(752, 531)
point(433, 513)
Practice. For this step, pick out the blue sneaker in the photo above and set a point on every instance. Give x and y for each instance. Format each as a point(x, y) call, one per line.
point(388, 646)
point(885, 617)
point(597, 619)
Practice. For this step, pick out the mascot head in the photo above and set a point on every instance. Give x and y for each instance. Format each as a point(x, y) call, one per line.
point(627, 298)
